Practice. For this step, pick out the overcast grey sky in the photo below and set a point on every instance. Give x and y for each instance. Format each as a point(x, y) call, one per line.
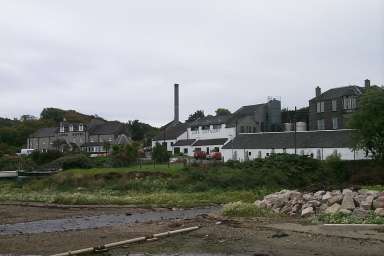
point(120, 59)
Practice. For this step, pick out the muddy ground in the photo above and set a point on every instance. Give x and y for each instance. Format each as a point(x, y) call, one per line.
point(216, 235)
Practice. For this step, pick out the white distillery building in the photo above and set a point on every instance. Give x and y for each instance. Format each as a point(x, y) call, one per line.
point(316, 144)
point(211, 133)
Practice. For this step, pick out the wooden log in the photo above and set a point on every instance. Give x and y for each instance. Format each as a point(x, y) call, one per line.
point(125, 242)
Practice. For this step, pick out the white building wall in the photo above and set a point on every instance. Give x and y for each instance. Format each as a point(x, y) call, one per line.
point(223, 132)
point(318, 153)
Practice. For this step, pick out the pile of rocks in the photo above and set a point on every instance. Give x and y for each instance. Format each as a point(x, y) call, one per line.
point(296, 203)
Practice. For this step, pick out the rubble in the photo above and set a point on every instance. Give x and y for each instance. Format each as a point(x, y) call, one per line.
point(347, 201)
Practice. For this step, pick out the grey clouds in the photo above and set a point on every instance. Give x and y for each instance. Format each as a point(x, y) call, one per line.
point(120, 59)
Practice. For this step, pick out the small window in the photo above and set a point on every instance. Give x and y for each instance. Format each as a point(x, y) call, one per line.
point(242, 129)
point(81, 127)
point(259, 154)
point(71, 128)
point(335, 123)
point(320, 107)
point(320, 124)
point(185, 151)
point(249, 153)
point(61, 128)
point(284, 150)
point(334, 105)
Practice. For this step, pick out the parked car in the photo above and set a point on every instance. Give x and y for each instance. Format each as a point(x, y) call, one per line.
point(214, 155)
point(25, 152)
point(200, 155)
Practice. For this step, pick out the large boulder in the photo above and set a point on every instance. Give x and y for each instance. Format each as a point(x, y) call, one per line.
point(379, 212)
point(378, 203)
point(307, 212)
point(367, 203)
point(335, 199)
point(360, 212)
point(326, 197)
point(348, 203)
point(333, 209)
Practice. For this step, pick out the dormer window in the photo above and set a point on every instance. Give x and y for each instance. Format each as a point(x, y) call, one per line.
point(61, 128)
point(81, 127)
point(71, 128)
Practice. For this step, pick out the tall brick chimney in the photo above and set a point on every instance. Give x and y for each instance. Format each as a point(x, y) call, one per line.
point(318, 91)
point(177, 118)
point(367, 83)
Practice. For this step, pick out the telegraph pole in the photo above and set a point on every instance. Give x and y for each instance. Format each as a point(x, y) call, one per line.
point(294, 124)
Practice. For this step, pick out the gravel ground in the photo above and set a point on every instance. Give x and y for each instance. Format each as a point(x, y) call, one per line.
point(215, 237)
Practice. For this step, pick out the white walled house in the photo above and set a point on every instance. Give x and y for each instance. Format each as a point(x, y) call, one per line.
point(169, 135)
point(316, 144)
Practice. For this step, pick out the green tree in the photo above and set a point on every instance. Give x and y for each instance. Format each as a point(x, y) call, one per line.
point(222, 112)
point(160, 153)
point(197, 115)
point(369, 122)
point(124, 154)
point(52, 114)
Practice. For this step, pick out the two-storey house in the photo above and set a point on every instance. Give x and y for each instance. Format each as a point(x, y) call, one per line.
point(331, 110)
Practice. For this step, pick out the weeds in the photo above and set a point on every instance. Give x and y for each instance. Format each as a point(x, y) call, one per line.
point(240, 209)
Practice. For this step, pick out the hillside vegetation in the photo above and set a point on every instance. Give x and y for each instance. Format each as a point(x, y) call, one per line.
point(177, 185)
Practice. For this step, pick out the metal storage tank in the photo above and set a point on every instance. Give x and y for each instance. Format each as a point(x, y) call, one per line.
point(274, 115)
point(301, 126)
point(288, 127)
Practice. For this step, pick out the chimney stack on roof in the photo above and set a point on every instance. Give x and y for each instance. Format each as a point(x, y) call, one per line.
point(177, 118)
point(367, 83)
point(318, 91)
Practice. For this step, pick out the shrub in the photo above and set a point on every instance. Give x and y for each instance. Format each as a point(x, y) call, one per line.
point(123, 155)
point(240, 209)
point(71, 161)
point(13, 163)
point(160, 154)
point(45, 157)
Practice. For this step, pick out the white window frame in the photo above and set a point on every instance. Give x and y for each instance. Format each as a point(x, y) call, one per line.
point(335, 123)
point(334, 105)
point(320, 124)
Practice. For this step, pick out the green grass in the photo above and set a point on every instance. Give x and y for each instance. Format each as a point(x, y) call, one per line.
point(158, 199)
point(247, 209)
point(171, 169)
point(374, 188)
point(341, 218)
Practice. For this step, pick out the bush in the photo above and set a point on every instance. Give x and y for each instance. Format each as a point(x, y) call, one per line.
point(160, 154)
point(45, 157)
point(71, 161)
point(123, 155)
point(13, 163)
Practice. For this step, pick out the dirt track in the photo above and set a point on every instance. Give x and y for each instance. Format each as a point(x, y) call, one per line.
point(225, 237)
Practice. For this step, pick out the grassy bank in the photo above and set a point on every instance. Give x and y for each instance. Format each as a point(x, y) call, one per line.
point(146, 186)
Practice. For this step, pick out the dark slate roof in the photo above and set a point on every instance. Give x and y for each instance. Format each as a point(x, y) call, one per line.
point(44, 132)
point(171, 133)
point(92, 144)
point(307, 139)
point(113, 127)
point(351, 90)
point(210, 142)
point(180, 143)
point(249, 110)
point(210, 120)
